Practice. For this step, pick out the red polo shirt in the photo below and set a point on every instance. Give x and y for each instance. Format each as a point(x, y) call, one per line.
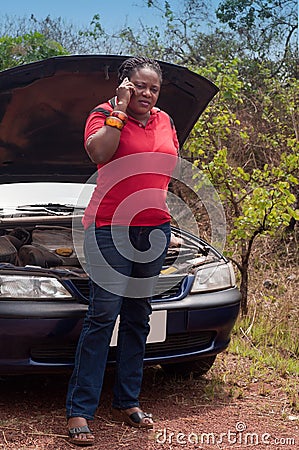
point(132, 187)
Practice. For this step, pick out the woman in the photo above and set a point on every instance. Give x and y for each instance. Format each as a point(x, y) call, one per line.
point(127, 232)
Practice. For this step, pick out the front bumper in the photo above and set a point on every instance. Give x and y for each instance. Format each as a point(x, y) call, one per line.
point(42, 336)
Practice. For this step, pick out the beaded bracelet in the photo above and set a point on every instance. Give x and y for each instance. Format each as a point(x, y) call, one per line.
point(121, 115)
point(114, 122)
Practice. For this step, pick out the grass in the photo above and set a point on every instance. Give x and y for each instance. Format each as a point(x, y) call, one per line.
point(267, 346)
point(263, 355)
point(269, 335)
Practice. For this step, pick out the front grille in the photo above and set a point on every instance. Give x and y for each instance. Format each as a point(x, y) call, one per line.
point(167, 287)
point(82, 285)
point(176, 344)
point(173, 345)
point(52, 354)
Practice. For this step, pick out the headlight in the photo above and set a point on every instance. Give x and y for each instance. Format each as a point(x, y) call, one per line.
point(17, 287)
point(214, 277)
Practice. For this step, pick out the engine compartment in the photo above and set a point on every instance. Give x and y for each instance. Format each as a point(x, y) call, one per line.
point(41, 243)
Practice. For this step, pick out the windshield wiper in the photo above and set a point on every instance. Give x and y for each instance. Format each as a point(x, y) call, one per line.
point(54, 209)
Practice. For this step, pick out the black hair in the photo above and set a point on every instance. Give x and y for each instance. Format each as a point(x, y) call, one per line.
point(138, 62)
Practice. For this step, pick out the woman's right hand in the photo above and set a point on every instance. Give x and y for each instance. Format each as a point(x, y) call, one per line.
point(124, 92)
point(103, 144)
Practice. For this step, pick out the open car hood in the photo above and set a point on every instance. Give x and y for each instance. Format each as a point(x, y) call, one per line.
point(44, 105)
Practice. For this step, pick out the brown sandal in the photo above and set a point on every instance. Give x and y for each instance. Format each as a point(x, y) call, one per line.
point(134, 420)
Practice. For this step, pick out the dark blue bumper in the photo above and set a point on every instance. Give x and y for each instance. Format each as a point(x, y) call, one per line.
point(42, 336)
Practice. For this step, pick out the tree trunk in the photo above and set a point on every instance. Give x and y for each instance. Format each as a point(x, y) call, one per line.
point(244, 289)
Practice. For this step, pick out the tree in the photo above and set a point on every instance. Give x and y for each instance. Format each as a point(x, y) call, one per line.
point(189, 36)
point(27, 48)
point(258, 197)
point(268, 28)
point(260, 203)
point(66, 34)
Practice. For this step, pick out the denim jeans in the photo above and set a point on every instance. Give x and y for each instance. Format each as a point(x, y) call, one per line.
point(123, 263)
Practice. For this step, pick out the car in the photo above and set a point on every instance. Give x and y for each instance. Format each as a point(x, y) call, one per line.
point(46, 180)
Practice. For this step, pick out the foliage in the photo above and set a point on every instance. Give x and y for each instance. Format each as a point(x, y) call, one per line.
point(98, 40)
point(189, 34)
point(257, 195)
point(27, 48)
point(58, 29)
point(179, 38)
point(265, 26)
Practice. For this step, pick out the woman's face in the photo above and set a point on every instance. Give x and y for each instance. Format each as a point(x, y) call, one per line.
point(147, 88)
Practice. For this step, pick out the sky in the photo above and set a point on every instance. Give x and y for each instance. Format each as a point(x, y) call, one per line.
point(113, 13)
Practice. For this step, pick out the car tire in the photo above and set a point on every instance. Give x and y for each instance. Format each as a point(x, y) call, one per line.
point(184, 369)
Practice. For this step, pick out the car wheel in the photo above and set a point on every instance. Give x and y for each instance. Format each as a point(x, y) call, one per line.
point(184, 369)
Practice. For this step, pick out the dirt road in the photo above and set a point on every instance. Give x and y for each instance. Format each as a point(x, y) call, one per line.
point(219, 411)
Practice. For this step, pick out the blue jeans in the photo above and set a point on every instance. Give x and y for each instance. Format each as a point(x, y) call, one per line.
point(119, 273)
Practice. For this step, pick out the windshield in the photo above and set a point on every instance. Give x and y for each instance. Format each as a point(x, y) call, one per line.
point(43, 198)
